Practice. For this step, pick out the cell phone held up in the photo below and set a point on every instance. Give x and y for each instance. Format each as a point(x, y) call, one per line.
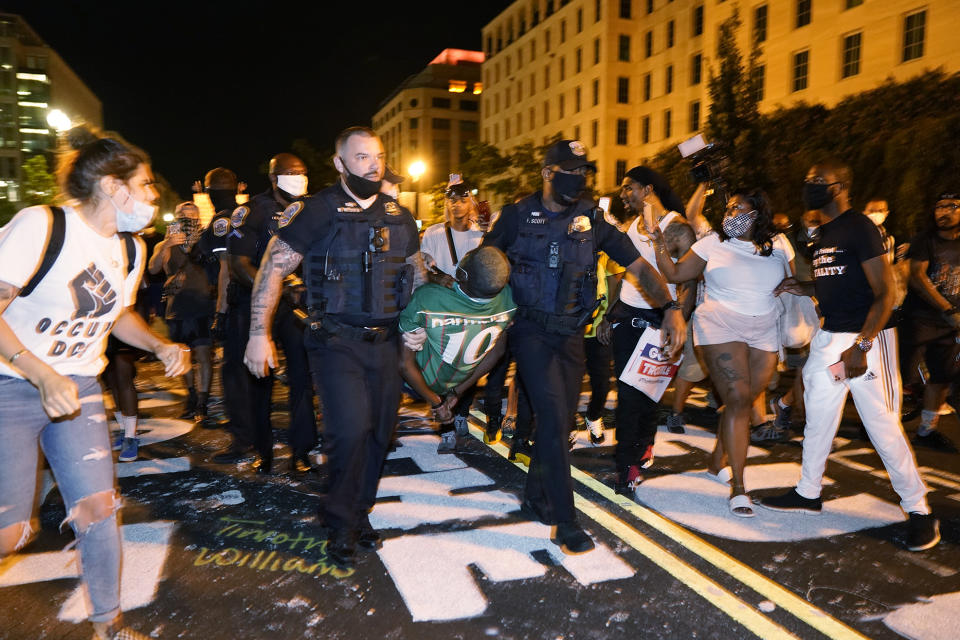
point(174, 228)
point(838, 371)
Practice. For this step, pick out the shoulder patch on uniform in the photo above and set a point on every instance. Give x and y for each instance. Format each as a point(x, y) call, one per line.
point(220, 227)
point(289, 214)
point(239, 215)
point(391, 208)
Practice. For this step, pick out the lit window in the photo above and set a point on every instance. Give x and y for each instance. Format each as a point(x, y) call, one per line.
point(477, 88)
point(457, 86)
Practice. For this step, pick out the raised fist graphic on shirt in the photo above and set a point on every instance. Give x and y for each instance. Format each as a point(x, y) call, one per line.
point(92, 293)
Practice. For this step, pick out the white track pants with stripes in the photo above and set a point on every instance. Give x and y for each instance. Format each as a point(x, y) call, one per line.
point(877, 396)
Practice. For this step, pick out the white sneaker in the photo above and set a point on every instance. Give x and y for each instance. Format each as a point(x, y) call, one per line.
point(595, 428)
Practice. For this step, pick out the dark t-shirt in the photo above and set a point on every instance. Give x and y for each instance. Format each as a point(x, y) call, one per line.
point(943, 269)
point(609, 239)
point(842, 288)
point(254, 223)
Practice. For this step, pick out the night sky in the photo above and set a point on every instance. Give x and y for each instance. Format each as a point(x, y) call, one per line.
point(203, 84)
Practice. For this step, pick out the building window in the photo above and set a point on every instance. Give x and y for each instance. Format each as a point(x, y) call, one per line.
point(913, 34)
point(596, 91)
point(561, 106)
point(645, 129)
point(647, 91)
point(670, 34)
point(546, 112)
point(441, 123)
point(579, 20)
point(546, 77)
point(648, 44)
point(576, 132)
point(414, 123)
point(853, 3)
point(621, 131)
point(533, 86)
point(563, 68)
point(579, 60)
point(698, 20)
point(506, 128)
point(596, 10)
point(801, 67)
point(625, 9)
point(761, 79)
point(519, 123)
point(623, 48)
point(623, 90)
point(649, 7)
point(563, 31)
point(667, 123)
point(694, 116)
point(760, 23)
point(669, 83)
point(596, 50)
point(533, 118)
point(469, 105)
point(576, 100)
point(546, 41)
point(696, 69)
point(549, 8)
point(851, 55)
point(441, 103)
point(496, 133)
point(621, 170)
point(594, 133)
point(804, 12)
point(533, 50)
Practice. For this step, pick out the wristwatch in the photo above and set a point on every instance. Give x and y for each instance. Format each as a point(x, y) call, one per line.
point(863, 344)
point(671, 305)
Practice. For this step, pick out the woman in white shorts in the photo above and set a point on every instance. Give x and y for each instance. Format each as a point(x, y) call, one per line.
point(735, 328)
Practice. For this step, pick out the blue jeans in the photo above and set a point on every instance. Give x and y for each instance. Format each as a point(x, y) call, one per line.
point(78, 450)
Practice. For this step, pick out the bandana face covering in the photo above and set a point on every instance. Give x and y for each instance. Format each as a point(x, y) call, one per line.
point(736, 226)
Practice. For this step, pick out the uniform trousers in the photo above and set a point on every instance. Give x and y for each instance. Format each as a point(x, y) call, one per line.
point(598, 369)
point(551, 367)
point(359, 384)
point(877, 396)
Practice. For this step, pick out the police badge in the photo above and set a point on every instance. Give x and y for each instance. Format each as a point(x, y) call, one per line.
point(391, 208)
point(289, 214)
point(239, 215)
point(220, 227)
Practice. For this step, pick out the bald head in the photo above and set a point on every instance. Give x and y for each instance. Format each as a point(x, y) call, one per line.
point(286, 164)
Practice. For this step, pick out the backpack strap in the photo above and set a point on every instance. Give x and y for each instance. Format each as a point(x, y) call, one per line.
point(450, 245)
point(130, 249)
point(55, 237)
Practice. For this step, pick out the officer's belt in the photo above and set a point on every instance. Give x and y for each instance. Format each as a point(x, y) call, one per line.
point(552, 322)
point(363, 334)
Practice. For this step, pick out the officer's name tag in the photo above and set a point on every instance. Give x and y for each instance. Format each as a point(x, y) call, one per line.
point(349, 209)
point(536, 221)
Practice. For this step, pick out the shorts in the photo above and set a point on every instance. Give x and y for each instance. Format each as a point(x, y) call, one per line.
point(691, 369)
point(714, 323)
point(193, 332)
point(938, 346)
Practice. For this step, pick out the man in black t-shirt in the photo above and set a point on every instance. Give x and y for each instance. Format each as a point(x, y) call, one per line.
point(932, 318)
point(855, 351)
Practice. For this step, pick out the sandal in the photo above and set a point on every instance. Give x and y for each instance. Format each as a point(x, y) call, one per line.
point(723, 476)
point(741, 506)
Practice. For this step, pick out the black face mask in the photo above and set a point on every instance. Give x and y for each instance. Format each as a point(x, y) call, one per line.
point(568, 187)
point(360, 186)
point(816, 196)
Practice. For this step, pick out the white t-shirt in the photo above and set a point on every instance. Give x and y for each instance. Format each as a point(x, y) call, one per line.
point(629, 293)
point(66, 320)
point(434, 244)
point(738, 277)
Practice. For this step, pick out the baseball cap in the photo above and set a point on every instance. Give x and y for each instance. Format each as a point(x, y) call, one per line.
point(568, 155)
point(457, 186)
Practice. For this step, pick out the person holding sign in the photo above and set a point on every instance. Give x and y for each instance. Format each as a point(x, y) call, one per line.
point(736, 326)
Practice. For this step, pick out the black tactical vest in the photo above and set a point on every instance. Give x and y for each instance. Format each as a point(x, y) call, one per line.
point(359, 272)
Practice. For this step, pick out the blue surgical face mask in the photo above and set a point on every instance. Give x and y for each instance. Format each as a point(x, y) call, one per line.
point(138, 218)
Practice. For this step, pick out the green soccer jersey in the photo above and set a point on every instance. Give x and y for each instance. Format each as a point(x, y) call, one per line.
point(460, 331)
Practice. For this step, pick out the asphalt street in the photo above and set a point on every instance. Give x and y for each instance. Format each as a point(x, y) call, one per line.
point(218, 551)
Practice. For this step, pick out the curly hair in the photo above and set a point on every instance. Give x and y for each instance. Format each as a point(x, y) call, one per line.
point(88, 155)
point(763, 229)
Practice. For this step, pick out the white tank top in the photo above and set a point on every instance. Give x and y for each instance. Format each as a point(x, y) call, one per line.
point(644, 244)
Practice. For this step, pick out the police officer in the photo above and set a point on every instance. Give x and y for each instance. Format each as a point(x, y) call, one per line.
point(254, 223)
point(552, 239)
point(360, 253)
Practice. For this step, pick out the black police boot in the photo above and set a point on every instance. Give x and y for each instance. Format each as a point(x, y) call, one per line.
point(263, 465)
point(232, 454)
point(300, 464)
point(190, 411)
point(571, 538)
point(493, 432)
point(368, 538)
point(342, 548)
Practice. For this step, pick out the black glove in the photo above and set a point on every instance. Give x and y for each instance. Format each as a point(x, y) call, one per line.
point(218, 328)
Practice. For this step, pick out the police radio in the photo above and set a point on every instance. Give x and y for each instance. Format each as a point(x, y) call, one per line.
point(379, 240)
point(553, 257)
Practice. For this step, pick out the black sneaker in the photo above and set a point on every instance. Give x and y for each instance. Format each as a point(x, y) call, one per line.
point(232, 454)
point(676, 422)
point(783, 414)
point(492, 433)
point(368, 538)
point(628, 480)
point(793, 501)
point(342, 549)
point(769, 432)
point(924, 532)
point(520, 451)
point(935, 440)
point(571, 538)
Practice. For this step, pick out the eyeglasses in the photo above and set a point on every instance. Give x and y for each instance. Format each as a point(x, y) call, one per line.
point(950, 206)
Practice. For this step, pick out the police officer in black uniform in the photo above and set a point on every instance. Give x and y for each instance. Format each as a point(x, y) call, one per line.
point(254, 223)
point(361, 255)
point(552, 239)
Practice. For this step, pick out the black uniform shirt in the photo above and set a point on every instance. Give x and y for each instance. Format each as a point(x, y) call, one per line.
point(841, 285)
point(609, 239)
point(254, 223)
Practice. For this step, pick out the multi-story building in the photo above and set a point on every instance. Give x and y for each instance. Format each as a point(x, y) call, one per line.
point(34, 80)
point(432, 115)
point(630, 77)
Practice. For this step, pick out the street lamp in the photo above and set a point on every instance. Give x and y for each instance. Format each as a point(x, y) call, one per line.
point(58, 120)
point(416, 170)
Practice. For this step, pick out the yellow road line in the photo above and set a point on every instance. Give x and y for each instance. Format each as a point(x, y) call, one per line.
point(779, 595)
point(713, 593)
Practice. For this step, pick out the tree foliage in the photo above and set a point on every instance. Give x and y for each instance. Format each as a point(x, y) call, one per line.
point(503, 175)
point(39, 185)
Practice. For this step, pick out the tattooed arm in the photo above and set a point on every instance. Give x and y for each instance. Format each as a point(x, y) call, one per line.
point(280, 261)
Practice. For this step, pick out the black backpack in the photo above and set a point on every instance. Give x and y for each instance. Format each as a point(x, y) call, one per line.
point(55, 237)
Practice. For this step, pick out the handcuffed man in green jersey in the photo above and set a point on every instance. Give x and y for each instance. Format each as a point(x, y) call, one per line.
point(464, 327)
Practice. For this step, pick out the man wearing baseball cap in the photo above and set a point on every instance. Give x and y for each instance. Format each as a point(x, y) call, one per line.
point(552, 238)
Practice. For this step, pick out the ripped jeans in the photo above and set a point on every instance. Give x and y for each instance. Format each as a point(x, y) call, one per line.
point(78, 451)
